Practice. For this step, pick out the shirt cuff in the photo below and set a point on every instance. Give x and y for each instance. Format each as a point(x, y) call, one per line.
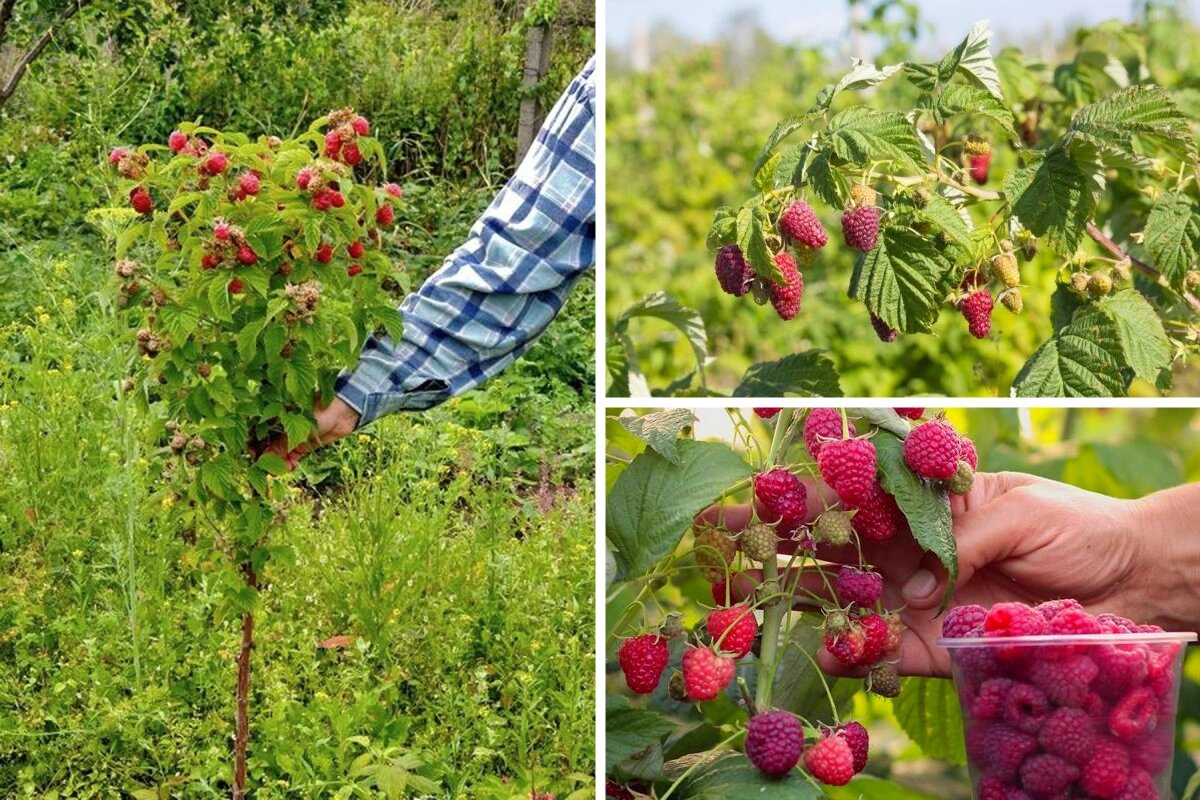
point(373, 405)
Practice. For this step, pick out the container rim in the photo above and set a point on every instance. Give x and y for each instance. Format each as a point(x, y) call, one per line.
point(1088, 638)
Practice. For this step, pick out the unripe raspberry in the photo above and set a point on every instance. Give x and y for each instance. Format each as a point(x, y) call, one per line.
point(361, 126)
point(323, 253)
point(141, 201)
point(862, 195)
point(714, 552)
point(759, 543)
point(733, 273)
point(177, 141)
point(963, 480)
point(921, 196)
point(860, 228)
point(642, 660)
point(1012, 301)
point(222, 230)
point(786, 297)
point(799, 222)
point(385, 215)
point(246, 255)
point(115, 156)
point(774, 741)
point(705, 674)
point(977, 311)
point(1005, 269)
point(979, 158)
point(1079, 282)
point(249, 183)
point(126, 268)
point(1099, 285)
point(833, 528)
point(932, 450)
point(355, 249)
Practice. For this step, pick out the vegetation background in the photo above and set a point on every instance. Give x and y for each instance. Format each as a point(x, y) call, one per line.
point(917, 753)
point(687, 118)
point(441, 544)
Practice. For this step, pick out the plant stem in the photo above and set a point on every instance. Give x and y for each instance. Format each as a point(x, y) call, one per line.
point(242, 725)
point(1141, 266)
point(129, 442)
point(773, 616)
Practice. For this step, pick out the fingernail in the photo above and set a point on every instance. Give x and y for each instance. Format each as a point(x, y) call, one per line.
point(920, 585)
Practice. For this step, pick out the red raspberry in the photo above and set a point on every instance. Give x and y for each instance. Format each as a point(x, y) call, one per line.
point(222, 230)
point(733, 273)
point(876, 518)
point(354, 269)
point(780, 498)
point(990, 701)
point(1153, 753)
point(333, 144)
point(932, 450)
point(1140, 786)
point(737, 624)
point(643, 659)
point(968, 453)
point(1047, 776)
point(992, 788)
point(210, 261)
point(1026, 708)
point(177, 141)
point(1073, 621)
point(324, 253)
point(304, 178)
point(847, 642)
point(830, 761)
point(705, 674)
point(616, 791)
point(860, 228)
point(860, 742)
point(336, 198)
point(896, 629)
point(116, 155)
point(236, 286)
point(355, 249)
point(980, 163)
point(394, 190)
point(1121, 668)
point(246, 255)
point(1106, 771)
point(857, 586)
point(385, 215)
point(766, 413)
point(848, 466)
point(998, 748)
point(964, 622)
point(361, 126)
point(351, 155)
point(875, 639)
point(1069, 733)
point(977, 311)
point(886, 333)
point(141, 201)
point(785, 297)
point(1066, 682)
point(910, 413)
point(822, 424)
point(1134, 715)
point(215, 164)
point(774, 741)
point(799, 222)
point(1006, 620)
point(1115, 624)
point(249, 183)
point(1051, 608)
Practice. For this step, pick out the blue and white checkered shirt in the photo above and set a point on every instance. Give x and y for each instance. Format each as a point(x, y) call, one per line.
point(496, 293)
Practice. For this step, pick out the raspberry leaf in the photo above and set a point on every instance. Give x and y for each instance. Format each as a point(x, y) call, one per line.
point(861, 76)
point(959, 98)
point(752, 222)
point(800, 688)
point(659, 306)
point(861, 135)
point(783, 130)
point(901, 280)
point(811, 373)
point(928, 711)
point(720, 774)
point(1173, 235)
point(1056, 198)
point(661, 430)
point(630, 730)
point(951, 220)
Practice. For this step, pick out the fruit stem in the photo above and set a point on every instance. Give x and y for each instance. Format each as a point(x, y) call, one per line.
point(779, 439)
point(772, 622)
point(824, 683)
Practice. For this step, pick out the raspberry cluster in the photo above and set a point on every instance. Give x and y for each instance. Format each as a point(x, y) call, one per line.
point(1073, 719)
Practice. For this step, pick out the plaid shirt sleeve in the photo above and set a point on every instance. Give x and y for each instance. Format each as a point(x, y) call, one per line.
point(498, 292)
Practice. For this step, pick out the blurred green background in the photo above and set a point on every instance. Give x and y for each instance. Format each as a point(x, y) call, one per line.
point(688, 113)
point(440, 543)
point(1121, 452)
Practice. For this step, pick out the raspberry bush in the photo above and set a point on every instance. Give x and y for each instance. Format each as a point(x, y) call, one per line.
point(250, 272)
point(736, 658)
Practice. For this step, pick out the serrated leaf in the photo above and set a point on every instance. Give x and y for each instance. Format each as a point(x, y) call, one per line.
point(789, 163)
point(1144, 342)
point(721, 774)
point(1054, 199)
point(959, 98)
point(1020, 78)
point(826, 182)
point(630, 730)
point(1144, 111)
point(751, 238)
point(272, 463)
point(900, 280)
point(947, 217)
point(723, 230)
point(928, 711)
point(661, 430)
point(297, 428)
point(218, 300)
point(860, 76)
point(764, 176)
point(811, 373)
point(973, 58)
point(868, 787)
point(1173, 235)
point(654, 500)
point(926, 508)
point(665, 307)
point(862, 135)
point(1084, 359)
point(783, 130)
point(179, 320)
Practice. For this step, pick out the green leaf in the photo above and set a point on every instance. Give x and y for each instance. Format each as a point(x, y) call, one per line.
point(764, 176)
point(661, 430)
point(179, 319)
point(973, 58)
point(811, 373)
point(630, 730)
point(868, 787)
point(665, 307)
point(862, 135)
point(799, 686)
point(1144, 342)
point(654, 500)
point(1173, 236)
point(1111, 124)
point(722, 774)
point(1084, 359)
point(1055, 198)
point(926, 508)
point(297, 428)
point(783, 130)
point(272, 463)
point(900, 280)
point(959, 98)
point(861, 76)
point(751, 238)
point(723, 230)
point(218, 300)
point(826, 182)
point(928, 711)
point(1021, 78)
point(946, 216)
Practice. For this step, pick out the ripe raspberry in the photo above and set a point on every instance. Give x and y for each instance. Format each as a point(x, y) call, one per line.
point(992, 788)
point(354, 269)
point(361, 126)
point(1121, 668)
point(385, 215)
point(968, 453)
point(210, 261)
point(733, 273)
point(737, 624)
point(1074, 622)
point(1135, 715)
point(886, 333)
point(323, 253)
point(963, 480)
point(236, 286)
point(1069, 733)
point(932, 450)
point(759, 543)
point(822, 424)
point(857, 586)
point(394, 190)
point(830, 760)
point(215, 164)
point(1153, 753)
point(643, 659)
point(1026, 708)
point(303, 178)
point(116, 155)
point(1013, 619)
point(875, 638)
point(774, 741)
point(998, 748)
point(877, 517)
point(249, 183)
point(141, 201)
point(786, 297)
point(336, 198)
point(848, 466)
point(355, 249)
point(177, 141)
point(1051, 608)
point(860, 742)
point(964, 622)
point(222, 230)
point(1140, 786)
point(862, 195)
point(781, 498)
point(1106, 771)
point(333, 144)
point(980, 165)
point(910, 413)
point(883, 680)
point(1065, 680)
point(799, 222)
point(616, 791)
point(860, 228)
point(351, 155)
point(989, 702)
point(977, 311)
point(1005, 269)
point(834, 528)
point(246, 255)
point(1047, 776)
point(705, 674)
point(845, 639)
point(714, 552)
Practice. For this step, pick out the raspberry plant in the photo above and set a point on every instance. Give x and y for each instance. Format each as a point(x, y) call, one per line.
point(251, 272)
point(736, 660)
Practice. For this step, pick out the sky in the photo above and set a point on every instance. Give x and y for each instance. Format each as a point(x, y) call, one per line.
point(825, 21)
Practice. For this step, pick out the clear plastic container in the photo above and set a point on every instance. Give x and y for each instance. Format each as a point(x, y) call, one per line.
point(1070, 717)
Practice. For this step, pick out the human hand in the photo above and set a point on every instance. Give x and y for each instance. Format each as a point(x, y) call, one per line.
point(334, 421)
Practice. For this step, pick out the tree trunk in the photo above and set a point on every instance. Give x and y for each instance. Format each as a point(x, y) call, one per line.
point(537, 64)
point(242, 727)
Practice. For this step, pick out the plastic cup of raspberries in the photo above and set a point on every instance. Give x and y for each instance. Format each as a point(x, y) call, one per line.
point(1058, 703)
